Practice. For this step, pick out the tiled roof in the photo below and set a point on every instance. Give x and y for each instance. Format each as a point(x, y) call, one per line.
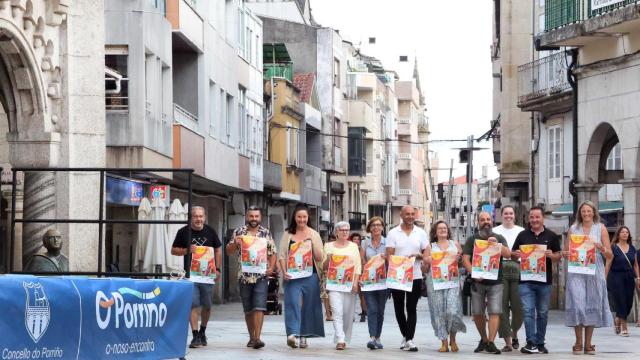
point(460, 180)
point(304, 83)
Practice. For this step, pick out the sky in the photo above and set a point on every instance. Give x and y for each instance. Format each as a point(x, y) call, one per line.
point(451, 41)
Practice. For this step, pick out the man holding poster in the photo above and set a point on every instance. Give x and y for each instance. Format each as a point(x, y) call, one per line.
point(256, 251)
point(406, 241)
point(486, 294)
point(537, 247)
point(203, 238)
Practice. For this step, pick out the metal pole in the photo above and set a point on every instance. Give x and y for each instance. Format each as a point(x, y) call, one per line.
point(100, 224)
point(13, 219)
point(449, 194)
point(469, 181)
point(187, 266)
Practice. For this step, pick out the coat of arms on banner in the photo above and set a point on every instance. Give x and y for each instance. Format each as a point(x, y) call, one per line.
point(36, 313)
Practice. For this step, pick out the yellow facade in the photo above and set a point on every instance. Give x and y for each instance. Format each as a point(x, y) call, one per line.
point(284, 138)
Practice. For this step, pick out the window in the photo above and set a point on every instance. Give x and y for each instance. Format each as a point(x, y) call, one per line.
point(212, 109)
point(229, 120)
point(541, 23)
point(336, 72)
point(222, 104)
point(555, 152)
point(116, 82)
point(404, 58)
point(614, 160)
point(292, 145)
point(242, 121)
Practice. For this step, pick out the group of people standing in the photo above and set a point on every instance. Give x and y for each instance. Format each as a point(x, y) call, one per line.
point(499, 306)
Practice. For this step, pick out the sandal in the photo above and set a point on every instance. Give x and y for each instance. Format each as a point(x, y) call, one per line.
point(303, 343)
point(507, 348)
point(444, 348)
point(616, 329)
point(591, 350)
point(577, 349)
point(454, 347)
point(624, 333)
point(291, 341)
point(341, 346)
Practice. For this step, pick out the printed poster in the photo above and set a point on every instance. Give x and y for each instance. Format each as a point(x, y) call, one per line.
point(341, 273)
point(203, 265)
point(400, 274)
point(582, 255)
point(486, 260)
point(374, 276)
point(300, 261)
point(254, 254)
point(444, 270)
point(533, 263)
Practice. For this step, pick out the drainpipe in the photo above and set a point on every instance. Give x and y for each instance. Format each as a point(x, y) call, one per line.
point(573, 81)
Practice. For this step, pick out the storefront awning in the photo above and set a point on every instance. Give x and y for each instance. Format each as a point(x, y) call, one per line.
point(604, 207)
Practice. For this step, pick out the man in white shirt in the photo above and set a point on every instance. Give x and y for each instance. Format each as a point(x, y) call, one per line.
point(509, 325)
point(409, 240)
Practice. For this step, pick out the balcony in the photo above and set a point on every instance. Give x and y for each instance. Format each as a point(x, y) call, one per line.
point(361, 115)
point(312, 192)
point(357, 220)
point(278, 70)
point(404, 127)
point(578, 22)
point(186, 23)
point(312, 117)
point(543, 81)
point(272, 176)
point(185, 118)
point(403, 162)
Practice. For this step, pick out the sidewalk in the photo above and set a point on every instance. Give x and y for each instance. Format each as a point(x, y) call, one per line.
point(227, 337)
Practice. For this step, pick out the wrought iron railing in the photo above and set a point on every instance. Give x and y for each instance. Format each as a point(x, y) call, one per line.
point(543, 77)
point(559, 13)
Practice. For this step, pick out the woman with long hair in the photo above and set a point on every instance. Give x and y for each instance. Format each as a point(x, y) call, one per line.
point(343, 303)
point(445, 305)
point(622, 275)
point(586, 304)
point(302, 305)
point(376, 300)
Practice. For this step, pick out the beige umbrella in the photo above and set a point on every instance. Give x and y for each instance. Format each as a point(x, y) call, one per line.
point(155, 252)
point(144, 213)
point(176, 213)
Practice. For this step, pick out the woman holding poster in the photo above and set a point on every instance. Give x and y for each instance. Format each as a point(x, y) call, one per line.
point(587, 306)
point(343, 268)
point(443, 286)
point(373, 256)
point(300, 255)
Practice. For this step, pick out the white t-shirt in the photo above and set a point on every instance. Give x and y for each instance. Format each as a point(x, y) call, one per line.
point(509, 234)
point(405, 245)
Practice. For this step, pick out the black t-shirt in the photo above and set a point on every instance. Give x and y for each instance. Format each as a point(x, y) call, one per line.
point(205, 237)
point(546, 237)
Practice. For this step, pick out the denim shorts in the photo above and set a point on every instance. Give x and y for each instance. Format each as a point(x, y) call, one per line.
point(202, 296)
point(254, 296)
point(486, 297)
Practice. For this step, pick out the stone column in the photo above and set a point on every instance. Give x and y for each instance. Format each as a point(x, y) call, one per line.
point(588, 191)
point(631, 197)
point(39, 203)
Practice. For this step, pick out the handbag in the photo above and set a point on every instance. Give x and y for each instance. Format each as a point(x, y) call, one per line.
point(466, 286)
point(423, 289)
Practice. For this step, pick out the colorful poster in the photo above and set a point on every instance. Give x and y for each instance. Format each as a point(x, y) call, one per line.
point(254, 254)
point(444, 270)
point(400, 274)
point(203, 265)
point(533, 263)
point(582, 255)
point(341, 273)
point(486, 260)
point(374, 276)
point(300, 261)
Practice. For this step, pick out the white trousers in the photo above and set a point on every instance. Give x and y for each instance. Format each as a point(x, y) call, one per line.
point(343, 305)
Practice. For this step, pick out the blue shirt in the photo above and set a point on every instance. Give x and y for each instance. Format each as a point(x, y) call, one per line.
point(370, 251)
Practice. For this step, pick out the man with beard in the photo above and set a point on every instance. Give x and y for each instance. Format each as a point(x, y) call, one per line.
point(485, 294)
point(253, 286)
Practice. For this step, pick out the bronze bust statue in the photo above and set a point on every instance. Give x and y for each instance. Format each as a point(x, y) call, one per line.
point(52, 260)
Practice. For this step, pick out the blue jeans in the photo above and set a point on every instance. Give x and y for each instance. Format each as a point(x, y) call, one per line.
point(303, 307)
point(535, 306)
point(376, 301)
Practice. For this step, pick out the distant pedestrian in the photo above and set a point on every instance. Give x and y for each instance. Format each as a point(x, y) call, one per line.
point(376, 300)
point(302, 305)
point(323, 292)
point(622, 278)
point(586, 303)
point(511, 318)
point(357, 239)
point(486, 295)
point(202, 297)
point(408, 240)
point(536, 295)
point(253, 286)
point(445, 305)
point(342, 302)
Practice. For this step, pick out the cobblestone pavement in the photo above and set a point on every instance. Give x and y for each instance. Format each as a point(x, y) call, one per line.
point(227, 336)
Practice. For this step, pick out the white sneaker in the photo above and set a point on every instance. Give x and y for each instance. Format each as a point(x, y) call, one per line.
point(410, 346)
point(403, 343)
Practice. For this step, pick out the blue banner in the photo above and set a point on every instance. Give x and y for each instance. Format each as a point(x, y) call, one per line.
point(89, 318)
